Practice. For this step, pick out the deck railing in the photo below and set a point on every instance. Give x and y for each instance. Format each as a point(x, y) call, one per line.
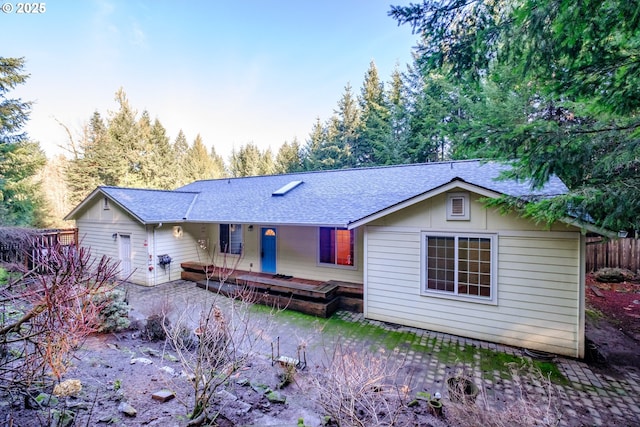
point(14, 253)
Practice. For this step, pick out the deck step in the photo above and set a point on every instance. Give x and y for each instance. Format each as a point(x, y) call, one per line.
point(320, 308)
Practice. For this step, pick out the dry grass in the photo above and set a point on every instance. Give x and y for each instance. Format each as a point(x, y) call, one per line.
point(533, 404)
point(359, 388)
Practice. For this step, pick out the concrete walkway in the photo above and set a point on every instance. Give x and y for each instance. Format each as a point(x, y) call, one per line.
point(586, 397)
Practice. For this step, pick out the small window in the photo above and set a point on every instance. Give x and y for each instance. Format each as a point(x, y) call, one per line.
point(336, 246)
point(460, 265)
point(231, 239)
point(458, 207)
point(105, 204)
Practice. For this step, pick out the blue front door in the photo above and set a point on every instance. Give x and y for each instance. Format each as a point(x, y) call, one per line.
point(268, 250)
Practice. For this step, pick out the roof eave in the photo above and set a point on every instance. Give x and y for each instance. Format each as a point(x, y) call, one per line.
point(454, 183)
point(590, 227)
point(90, 197)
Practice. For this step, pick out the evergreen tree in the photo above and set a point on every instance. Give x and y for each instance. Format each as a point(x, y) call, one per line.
point(90, 160)
point(124, 142)
point(288, 159)
point(267, 163)
point(572, 69)
point(343, 131)
point(311, 153)
point(199, 164)
point(393, 148)
point(144, 173)
point(250, 161)
point(162, 160)
point(375, 125)
point(335, 149)
point(14, 113)
point(219, 169)
point(180, 149)
point(21, 201)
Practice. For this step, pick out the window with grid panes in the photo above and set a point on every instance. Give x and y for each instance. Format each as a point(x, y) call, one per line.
point(460, 265)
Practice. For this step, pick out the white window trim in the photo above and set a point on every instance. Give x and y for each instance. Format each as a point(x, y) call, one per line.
point(424, 291)
point(466, 215)
point(335, 265)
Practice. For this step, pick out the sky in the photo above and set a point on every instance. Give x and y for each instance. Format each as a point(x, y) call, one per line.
point(234, 71)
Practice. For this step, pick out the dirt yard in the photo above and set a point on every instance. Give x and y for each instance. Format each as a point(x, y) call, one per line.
point(613, 322)
point(122, 369)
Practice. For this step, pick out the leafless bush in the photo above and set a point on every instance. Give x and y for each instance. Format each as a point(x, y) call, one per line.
point(533, 404)
point(48, 312)
point(15, 246)
point(211, 348)
point(358, 388)
point(220, 266)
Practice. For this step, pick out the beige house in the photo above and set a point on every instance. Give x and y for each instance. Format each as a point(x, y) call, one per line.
point(418, 238)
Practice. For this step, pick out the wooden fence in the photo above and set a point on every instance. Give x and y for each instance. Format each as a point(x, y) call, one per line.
point(616, 253)
point(45, 238)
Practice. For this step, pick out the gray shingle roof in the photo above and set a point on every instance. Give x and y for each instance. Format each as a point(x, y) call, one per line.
point(151, 206)
point(340, 197)
point(337, 197)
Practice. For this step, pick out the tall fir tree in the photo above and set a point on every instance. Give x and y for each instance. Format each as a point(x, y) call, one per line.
point(199, 164)
point(572, 69)
point(288, 159)
point(180, 150)
point(392, 150)
point(219, 169)
point(250, 161)
point(375, 121)
point(125, 144)
point(90, 159)
point(162, 159)
point(346, 123)
point(14, 112)
point(21, 200)
point(312, 149)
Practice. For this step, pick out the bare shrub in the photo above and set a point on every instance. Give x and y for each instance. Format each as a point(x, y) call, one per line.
point(48, 312)
point(359, 388)
point(533, 404)
point(211, 349)
point(220, 266)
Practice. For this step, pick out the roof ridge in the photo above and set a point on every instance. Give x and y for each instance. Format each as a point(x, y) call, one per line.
point(403, 165)
point(115, 187)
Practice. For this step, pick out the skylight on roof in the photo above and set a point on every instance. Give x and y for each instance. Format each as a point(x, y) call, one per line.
point(286, 188)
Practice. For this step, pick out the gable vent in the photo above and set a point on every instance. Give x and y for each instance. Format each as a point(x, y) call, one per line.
point(286, 188)
point(458, 206)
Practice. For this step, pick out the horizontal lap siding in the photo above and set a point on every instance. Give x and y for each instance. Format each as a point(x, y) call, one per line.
point(182, 249)
point(393, 272)
point(539, 278)
point(297, 255)
point(538, 295)
point(98, 237)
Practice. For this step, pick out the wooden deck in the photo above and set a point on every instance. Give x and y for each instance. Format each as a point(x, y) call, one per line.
point(319, 298)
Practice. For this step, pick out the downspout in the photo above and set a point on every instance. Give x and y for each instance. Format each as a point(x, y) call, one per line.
point(155, 270)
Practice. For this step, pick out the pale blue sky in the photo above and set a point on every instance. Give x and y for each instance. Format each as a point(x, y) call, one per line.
point(234, 71)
